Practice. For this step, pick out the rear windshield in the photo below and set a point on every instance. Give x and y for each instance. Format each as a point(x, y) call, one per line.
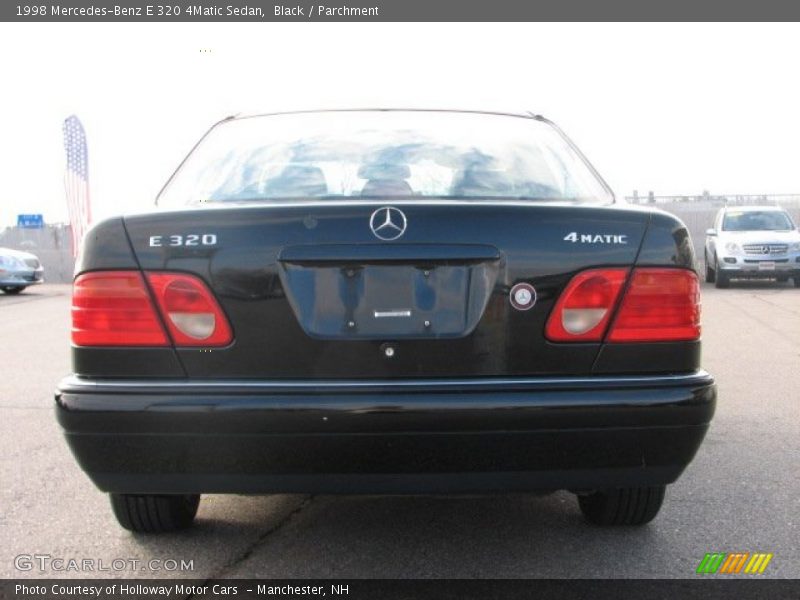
point(767, 220)
point(383, 154)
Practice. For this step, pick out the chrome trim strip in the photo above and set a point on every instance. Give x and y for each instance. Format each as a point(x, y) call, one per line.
point(74, 382)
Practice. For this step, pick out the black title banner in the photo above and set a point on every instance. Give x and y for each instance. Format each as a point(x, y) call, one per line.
point(384, 589)
point(397, 10)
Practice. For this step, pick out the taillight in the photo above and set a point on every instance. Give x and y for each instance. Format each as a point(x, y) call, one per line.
point(582, 312)
point(659, 305)
point(191, 312)
point(114, 308)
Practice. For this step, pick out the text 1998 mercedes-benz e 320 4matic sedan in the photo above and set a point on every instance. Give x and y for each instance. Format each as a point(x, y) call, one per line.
point(385, 301)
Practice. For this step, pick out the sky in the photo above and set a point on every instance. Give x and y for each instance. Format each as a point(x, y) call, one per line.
point(673, 108)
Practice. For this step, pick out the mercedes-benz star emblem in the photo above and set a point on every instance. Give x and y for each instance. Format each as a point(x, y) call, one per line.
point(388, 223)
point(522, 296)
point(765, 249)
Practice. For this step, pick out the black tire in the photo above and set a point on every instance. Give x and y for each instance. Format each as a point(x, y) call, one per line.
point(796, 281)
point(154, 514)
point(13, 289)
point(722, 281)
point(626, 506)
point(710, 273)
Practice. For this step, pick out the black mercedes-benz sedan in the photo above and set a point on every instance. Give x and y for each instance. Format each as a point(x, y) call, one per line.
point(385, 301)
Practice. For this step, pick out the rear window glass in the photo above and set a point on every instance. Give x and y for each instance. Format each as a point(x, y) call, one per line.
point(380, 154)
point(767, 220)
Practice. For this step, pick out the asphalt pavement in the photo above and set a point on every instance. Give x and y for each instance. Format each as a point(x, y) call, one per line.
point(741, 493)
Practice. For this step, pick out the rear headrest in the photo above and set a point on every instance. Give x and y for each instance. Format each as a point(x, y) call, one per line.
point(387, 187)
point(476, 180)
point(298, 180)
point(384, 171)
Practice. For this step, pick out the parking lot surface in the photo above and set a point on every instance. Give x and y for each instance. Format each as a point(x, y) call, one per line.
point(741, 493)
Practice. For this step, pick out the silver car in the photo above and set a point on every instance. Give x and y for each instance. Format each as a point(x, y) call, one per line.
point(18, 270)
point(752, 242)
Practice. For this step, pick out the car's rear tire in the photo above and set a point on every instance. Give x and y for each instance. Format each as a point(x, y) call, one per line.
point(625, 506)
point(154, 514)
point(796, 282)
point(12, 289)
point(710, 273)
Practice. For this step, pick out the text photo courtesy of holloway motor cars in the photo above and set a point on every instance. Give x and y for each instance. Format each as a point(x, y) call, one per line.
point(365, 307)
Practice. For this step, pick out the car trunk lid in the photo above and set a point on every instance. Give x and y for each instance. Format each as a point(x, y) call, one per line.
point(311, 290)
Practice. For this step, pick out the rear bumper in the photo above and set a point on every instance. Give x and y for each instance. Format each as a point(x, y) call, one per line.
point(385, 437)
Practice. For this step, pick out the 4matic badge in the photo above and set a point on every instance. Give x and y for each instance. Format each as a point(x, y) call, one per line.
point(596, 238)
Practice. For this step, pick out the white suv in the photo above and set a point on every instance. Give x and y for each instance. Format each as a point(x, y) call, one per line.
point(752, 242)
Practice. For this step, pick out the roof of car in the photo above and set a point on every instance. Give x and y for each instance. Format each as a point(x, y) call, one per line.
point(522, 114)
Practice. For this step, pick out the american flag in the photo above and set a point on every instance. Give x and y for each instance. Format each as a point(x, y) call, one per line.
point(76, 180)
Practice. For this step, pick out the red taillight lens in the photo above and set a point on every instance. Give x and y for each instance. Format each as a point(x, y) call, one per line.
point(191, 312)
point(113, 308)
point(659, 305)
point(585, 307)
